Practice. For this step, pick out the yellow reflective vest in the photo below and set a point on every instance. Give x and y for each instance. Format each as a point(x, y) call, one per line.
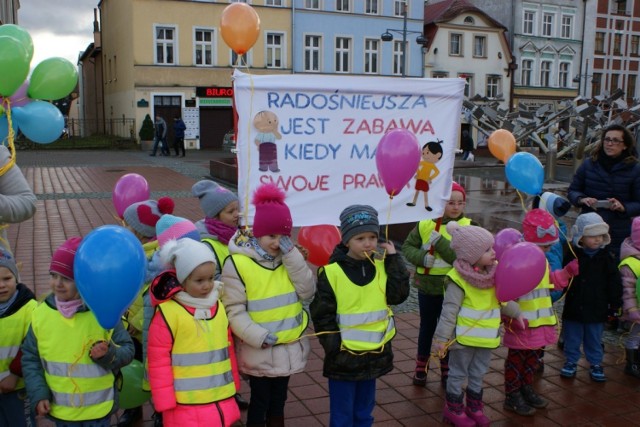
point(200, 358)
point(14, 328)
point(365, 320)
point(80, 388)
point(536, 306)
point(634, 264)
point(272, 301)
point(425, 227)
point(220, 250)
point(478, 320)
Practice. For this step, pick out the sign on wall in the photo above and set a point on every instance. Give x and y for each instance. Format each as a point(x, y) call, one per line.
point(316, 138)
point(191, 119)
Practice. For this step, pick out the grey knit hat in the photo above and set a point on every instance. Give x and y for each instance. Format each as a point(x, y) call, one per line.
point(590, 224)
point(143, 216)
point(213, 197)
point(8, 261)
point(356, 219)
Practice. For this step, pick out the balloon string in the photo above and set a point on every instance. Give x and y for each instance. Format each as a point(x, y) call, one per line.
point(11, 137)
point(524, 208)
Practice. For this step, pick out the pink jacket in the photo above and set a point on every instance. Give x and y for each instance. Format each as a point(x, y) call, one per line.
point(629, 298)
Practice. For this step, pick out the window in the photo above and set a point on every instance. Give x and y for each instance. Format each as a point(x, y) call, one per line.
point(635, 41)
point(312, 53)
point(545, 73)
point(479, 46)
point(455, 44)
point(469, 20)
point(371, 56)
point(165, 45)
point(439, 74)
point(599, 44)
point(547, 25)
point(203, 46)
point(596, 84)
point(615, 79)
point(312, 4)
point(342, 5)
point(240, 60)
point(493, 86)
point(567, 25)
point(631, 86)
point(468, 85)
point(563, 74)
point(343, 53)
point(527, 67)
point(371, 7)
point(274, 50)
point(398, 7)
point(617, 42)
point(621, 7)
point(528, 22)
point(397, 58)
point(273, 3)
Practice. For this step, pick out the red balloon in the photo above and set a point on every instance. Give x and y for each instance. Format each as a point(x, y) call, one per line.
point(519, 271)
point(320, 240)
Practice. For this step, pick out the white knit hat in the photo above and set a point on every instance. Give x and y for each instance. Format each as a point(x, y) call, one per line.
point(186, 255)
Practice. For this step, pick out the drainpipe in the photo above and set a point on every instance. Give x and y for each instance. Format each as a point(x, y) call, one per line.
point(293, 37)
point(584, 18)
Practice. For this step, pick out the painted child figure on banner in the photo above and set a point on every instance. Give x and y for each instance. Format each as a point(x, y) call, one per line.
point(266, 122)
point(427, 171)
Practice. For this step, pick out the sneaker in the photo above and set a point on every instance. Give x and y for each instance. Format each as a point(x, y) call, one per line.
point(569, 370)
point(597, 374)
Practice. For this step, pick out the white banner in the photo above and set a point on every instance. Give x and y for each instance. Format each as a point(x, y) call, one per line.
point(316, 138)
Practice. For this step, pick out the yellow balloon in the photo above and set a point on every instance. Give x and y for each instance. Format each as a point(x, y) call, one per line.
point(502, 144)
point(240, 27)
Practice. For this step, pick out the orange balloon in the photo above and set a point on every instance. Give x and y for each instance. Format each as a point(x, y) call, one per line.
point(502, 144)
point(240, 27)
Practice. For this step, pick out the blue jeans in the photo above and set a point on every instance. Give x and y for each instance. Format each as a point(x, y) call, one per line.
point(351, 403)
point(587, 334)
point(102, 422)
point(14, 409)
point(163, 146)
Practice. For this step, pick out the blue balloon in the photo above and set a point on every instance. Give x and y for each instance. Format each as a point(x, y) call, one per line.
point(525, 172)
point(109, 269)
point(4, 129)
point(40, 121)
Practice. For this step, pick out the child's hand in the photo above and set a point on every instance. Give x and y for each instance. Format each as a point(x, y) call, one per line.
point(304, 251)
point(269, 341)
point(99, 349)
point(573, 268)
point(286, 244)
point(439, 348)
point(43, 407)
point(388, 247)
point(433, 239)
point(520, 322)
point(429, 260)
point(8, 384)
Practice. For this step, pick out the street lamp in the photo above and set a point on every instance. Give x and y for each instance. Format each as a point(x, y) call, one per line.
point(578, 79)
point(387, 37)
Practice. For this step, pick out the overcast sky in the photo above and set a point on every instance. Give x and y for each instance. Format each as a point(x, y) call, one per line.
point(61, 28)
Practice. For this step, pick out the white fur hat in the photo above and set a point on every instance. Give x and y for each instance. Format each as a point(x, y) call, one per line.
point(185, 255)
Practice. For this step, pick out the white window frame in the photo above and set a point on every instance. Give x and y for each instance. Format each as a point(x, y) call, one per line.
point(545, 73)
point(274, 3)
point(547, 24)
point(343, 6)
point(528, 25)
point(247, 62)
point(468, 83)
point(460, 44)
point(494, 84)
point(396, 67)
point(483, 53)
point(371, 4)
point(526, 72)
point(398, 6)
point(276, 50)
point(311, 51)
point(439, 74)
point(566, 28)
point(173, 43)
point(312, 4)
point(564, 73)
point(198, 45)
point(342, 55)
point(371, 63)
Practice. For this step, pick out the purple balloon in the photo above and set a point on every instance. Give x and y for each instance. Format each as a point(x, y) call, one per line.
point(522, 267)
point(130, 188)
point(19, 97)
point(504, 239)
point(397, 159)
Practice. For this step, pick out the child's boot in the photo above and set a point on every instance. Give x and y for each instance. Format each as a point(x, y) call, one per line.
point(516, 403)
point(444, 371)
point(275, 421)
point(420, 374)
point(532, 398)
point(633, 363)
point(475, 407)
point(454, 413)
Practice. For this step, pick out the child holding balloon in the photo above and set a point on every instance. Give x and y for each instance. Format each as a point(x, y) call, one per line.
point(526, 343)
point(266, 280)
point(630, 272)
point(469, 323)
point(69, 360)
point(428, 248)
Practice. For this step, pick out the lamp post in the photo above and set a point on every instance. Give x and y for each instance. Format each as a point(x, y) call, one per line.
point(387, 37)
point(582, 90)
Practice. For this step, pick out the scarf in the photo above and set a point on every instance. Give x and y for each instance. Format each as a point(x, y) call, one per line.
point(202, 305)
point(476, 278)
point(256, 246)
point(6, 305)
point(68, 308)
point(217, 228)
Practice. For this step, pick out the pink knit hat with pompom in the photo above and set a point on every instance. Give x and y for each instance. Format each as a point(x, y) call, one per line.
point(470, 242)
point(272, 214)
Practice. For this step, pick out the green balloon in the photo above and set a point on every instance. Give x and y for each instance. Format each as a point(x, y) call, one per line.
point(131, 395)
point(20, 34)
point(14, 63)
point(52, 79)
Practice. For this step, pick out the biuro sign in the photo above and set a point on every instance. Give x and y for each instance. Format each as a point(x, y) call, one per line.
point(316, 138)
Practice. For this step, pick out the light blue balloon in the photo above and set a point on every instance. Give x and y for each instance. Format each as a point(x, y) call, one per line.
point(4, 129)
point(40, 121)
point(109, 269)
point(525, 173)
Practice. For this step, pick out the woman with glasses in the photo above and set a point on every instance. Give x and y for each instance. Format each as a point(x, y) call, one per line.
point(608, 182)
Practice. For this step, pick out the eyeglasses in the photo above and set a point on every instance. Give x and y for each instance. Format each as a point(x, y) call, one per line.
point(613, 141)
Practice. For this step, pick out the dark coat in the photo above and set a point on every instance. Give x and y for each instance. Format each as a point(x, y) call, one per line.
point(466, 142)
point(340, 364)
point(178, 128)
point(596, 288)
point(622, 182)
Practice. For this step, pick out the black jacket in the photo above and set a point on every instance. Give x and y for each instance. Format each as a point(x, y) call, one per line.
point(24, 296)
point(594, 289)
point(343, 365)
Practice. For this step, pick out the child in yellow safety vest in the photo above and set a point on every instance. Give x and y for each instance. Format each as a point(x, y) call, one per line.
point(428, 248)
point(266, 280)
point(192, 369)
point(471, 316)
point(69, 361)
point(17, 303)
point(352, 317)
point(630, 272)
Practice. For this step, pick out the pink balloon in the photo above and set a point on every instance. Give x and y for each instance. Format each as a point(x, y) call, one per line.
point(397, 159)
point(130, 188)
point(504, 239)
point(19, 97)
point(519, 271)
